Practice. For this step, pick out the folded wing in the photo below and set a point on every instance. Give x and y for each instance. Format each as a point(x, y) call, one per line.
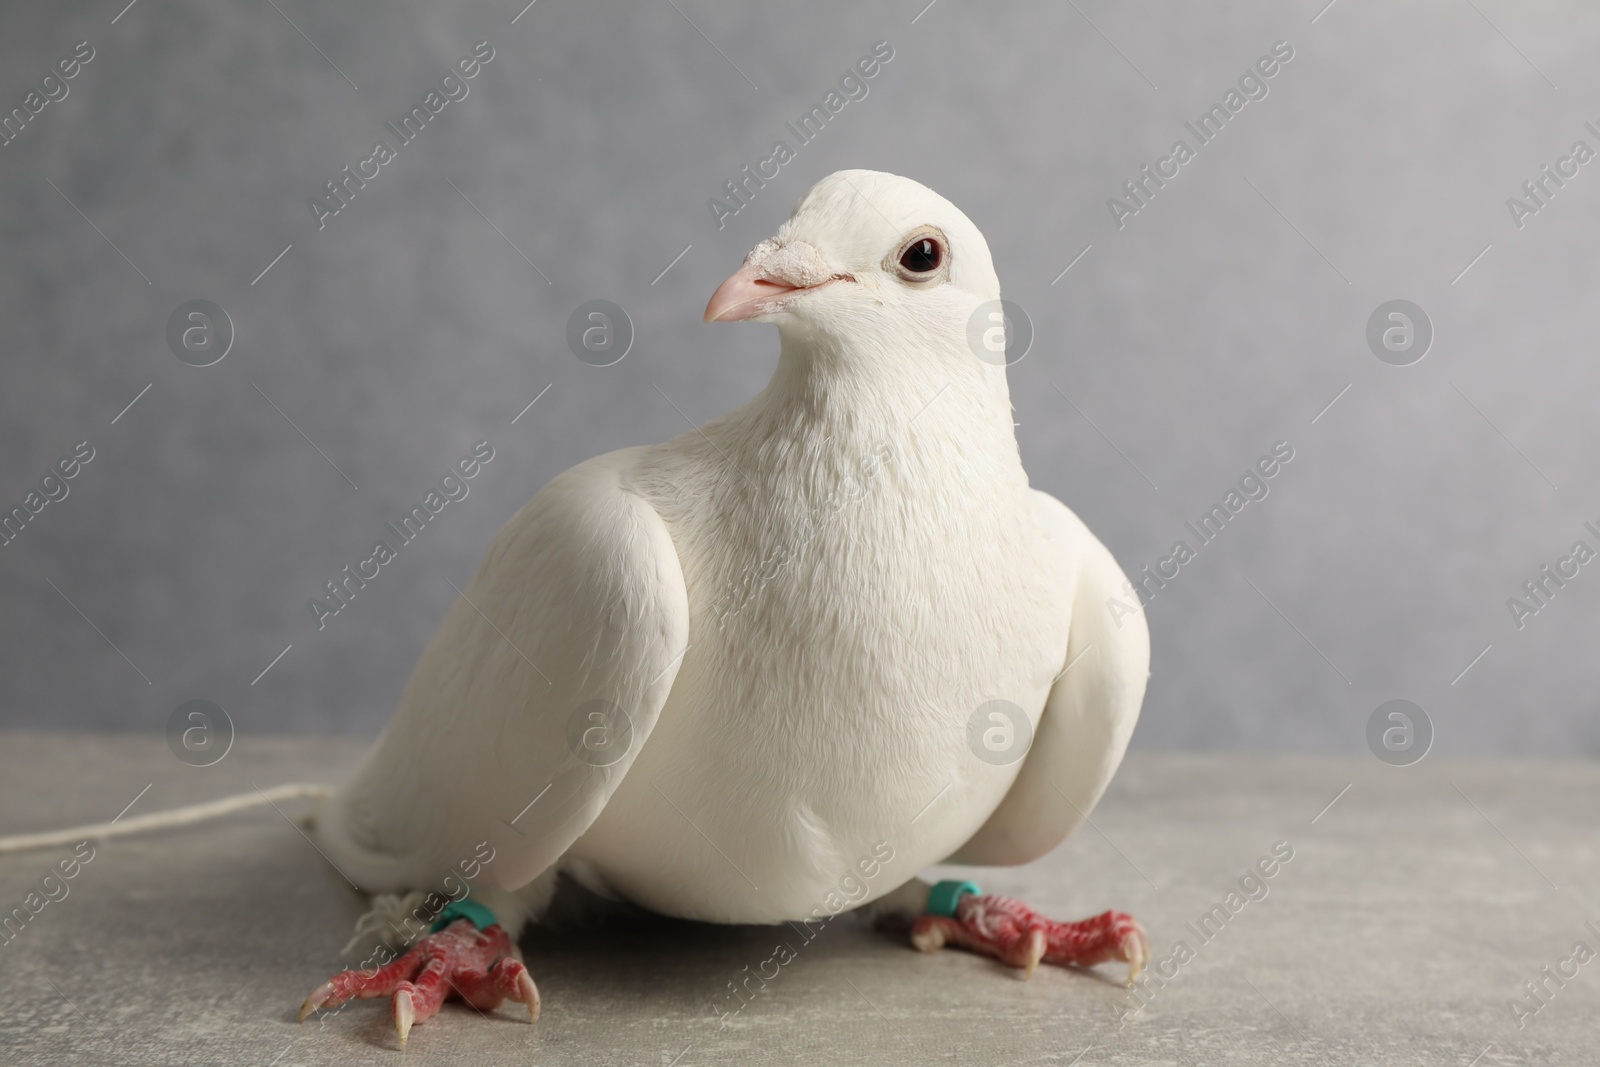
point(531, 702)
point(1090, 713)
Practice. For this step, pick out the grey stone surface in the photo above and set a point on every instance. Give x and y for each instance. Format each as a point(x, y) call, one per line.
point(1410, 915)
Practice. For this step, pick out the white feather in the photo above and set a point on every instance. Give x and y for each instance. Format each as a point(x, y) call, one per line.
point(800, 605)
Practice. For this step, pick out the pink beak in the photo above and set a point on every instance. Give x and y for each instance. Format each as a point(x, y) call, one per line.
point(748, 292)
point(773, 276)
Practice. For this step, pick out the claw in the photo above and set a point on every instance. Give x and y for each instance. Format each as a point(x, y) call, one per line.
point(528, 994)
point(479, 966)
point(319, 996)
point(1136, 951)
point(1034, 952)
point(403, 1015)
point(927, 937)
point(1019, 937)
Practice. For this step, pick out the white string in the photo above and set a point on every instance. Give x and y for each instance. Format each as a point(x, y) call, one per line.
point(193, 813)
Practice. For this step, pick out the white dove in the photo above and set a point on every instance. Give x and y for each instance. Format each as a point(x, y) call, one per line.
point(771, 669)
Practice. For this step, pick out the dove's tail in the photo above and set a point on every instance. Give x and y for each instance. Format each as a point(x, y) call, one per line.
point(160, 820)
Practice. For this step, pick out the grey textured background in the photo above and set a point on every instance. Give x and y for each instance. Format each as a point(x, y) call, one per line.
point(1399, 936)
point(1221, 319)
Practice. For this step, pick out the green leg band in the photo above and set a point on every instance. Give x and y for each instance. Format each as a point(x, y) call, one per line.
point(471, 910)
point(943, 896)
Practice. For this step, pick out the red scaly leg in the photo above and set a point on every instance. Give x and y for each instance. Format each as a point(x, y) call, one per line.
point(1016, 935)
point(480, 966)
point(362, 985)
point(506, 980)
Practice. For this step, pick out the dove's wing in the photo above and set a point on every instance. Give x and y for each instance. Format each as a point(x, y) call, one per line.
point(532, 700)
point(1089, 715)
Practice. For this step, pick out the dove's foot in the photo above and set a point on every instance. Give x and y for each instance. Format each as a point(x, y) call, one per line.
point(1015, 934)
point(479, 966)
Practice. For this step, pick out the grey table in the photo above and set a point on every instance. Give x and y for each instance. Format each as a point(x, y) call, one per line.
point(1402, 931)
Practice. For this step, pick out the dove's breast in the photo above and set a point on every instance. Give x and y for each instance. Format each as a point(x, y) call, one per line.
point(857, 622)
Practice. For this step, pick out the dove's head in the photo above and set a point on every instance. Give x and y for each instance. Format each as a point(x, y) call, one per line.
point(867, 263)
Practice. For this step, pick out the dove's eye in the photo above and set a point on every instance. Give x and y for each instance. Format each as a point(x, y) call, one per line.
point(922, 257)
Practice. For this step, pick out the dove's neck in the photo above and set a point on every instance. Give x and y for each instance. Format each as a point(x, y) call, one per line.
point(928, 397)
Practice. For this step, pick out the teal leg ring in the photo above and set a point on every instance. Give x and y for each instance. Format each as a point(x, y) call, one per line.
point(470, 910)
point(943, 896)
